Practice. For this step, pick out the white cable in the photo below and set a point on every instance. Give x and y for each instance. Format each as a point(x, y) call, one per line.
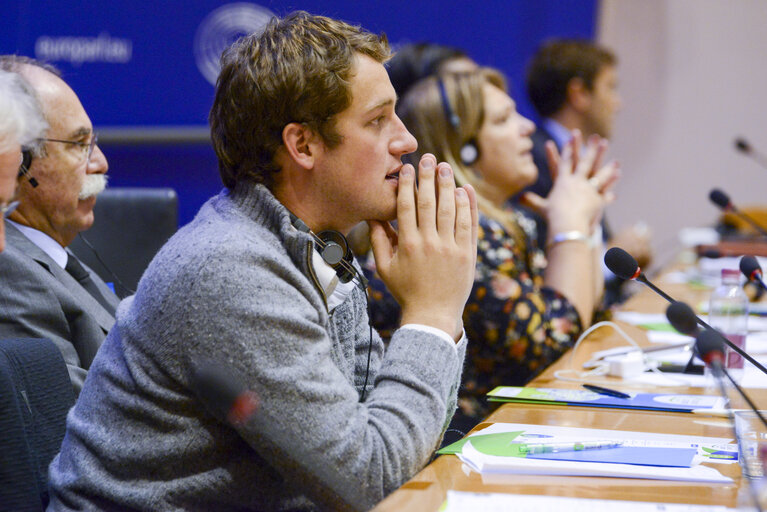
point(602, 368)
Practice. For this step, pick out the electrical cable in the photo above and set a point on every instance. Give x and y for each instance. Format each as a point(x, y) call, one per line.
point(601, 369)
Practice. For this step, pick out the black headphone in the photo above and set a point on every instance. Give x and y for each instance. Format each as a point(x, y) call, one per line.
point(469, 151)
point(334, 250)
point(26, 161)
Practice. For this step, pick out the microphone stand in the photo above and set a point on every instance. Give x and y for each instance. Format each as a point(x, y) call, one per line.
point(641, 278)
point(740, 391)
point(759, 280)
point(717, 369)
point(748, 219)
point(622, 264)
point(709, 347)
point(744, 147)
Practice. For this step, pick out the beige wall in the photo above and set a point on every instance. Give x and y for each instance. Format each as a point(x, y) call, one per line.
point(693, 76)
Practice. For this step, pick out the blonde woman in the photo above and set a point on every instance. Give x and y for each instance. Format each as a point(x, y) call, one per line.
point(526, 308)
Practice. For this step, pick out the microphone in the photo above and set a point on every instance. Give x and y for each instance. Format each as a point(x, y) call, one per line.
point(722, 200)
point(223, 394)
point(755, 286)
point(711, 252)
point(744, 147)
point(622, 264)
point(710, 348)
point(682, 318)
point(752, 270)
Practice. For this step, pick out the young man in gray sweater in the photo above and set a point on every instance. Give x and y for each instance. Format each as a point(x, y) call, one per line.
point(308, 142)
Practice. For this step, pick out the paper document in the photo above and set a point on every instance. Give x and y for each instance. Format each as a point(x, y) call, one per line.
point(582, 397)
point(484, 453)
point(514, 444)
point(710, 449)
point(458, 501)
point(751, 378)
point(659, 322)
point(635, 318)
point(483, 463)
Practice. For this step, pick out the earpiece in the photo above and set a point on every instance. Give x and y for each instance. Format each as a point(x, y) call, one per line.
point(469, 151)
point(334, 250)
point(335, 247)
point(26, 161)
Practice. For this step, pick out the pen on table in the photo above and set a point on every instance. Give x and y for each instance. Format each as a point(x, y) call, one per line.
point(606, 391)
point(533, 448)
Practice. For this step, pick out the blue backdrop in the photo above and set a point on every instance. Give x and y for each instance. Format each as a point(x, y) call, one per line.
point(143, 64)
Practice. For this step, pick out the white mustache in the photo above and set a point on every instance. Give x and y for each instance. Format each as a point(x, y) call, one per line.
point(93, 185)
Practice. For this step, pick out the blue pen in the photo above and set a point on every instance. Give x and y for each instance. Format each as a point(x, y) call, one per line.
point(606, 391)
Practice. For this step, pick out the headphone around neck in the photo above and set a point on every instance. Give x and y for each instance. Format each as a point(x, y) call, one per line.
point(469, 151)
point(334, 250)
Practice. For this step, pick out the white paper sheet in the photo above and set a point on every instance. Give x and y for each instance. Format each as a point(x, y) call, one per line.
point(488, 464)
point(749, 378)
point(482, 463)
point(458, 501)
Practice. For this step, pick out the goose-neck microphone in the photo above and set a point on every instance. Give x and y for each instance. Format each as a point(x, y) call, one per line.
point(622, 264)
point(722, 200)
point(744, 147)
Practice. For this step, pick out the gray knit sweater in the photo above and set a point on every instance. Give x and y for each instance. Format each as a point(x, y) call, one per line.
point(235, 285)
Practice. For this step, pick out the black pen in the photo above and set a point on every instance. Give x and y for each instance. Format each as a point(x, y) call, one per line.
point(606, 391)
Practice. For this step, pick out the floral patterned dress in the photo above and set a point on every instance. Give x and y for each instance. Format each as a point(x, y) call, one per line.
point(515, 325)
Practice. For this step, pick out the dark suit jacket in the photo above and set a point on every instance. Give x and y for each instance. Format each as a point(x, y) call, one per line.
point(39, 299)
point(542, 185)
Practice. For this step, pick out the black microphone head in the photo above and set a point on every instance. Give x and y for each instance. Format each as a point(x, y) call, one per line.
point(223, 394)
point(719, 198)
point(742, 145)
point(750, 267)
point(710, 346)
point(621, 263)
point(682, 318)
point(711, 253)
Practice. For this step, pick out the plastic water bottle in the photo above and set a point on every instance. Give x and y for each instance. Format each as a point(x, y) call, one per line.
point(728, 313)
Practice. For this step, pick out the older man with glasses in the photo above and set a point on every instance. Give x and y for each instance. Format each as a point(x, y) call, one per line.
point(47, 292)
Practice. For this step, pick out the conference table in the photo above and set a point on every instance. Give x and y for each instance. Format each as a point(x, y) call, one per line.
point(427, 490)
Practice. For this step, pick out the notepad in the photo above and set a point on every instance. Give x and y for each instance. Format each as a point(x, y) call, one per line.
point(669, 402)
point(642, 455)
point(503, 445)
point(491, 441)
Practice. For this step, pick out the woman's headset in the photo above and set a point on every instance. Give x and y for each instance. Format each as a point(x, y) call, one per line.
point(469, 151)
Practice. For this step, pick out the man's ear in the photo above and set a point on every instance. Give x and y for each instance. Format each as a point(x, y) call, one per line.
point(300, 143)
point(578, 95)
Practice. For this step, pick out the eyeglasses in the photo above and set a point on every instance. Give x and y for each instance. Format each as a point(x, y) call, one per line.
point(8, 209)
point(85, 147)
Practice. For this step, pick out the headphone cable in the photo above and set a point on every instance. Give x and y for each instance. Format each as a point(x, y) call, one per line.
point(103, 264)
